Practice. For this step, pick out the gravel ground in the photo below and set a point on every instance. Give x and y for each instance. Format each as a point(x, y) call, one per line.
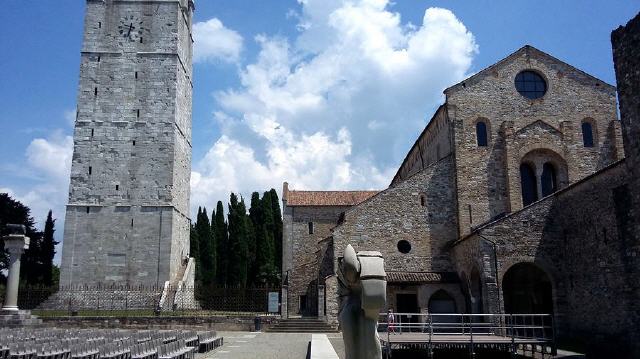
point(250, 345)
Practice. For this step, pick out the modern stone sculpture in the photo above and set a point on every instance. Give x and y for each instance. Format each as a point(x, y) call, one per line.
point(15, 243)
point(363, 291)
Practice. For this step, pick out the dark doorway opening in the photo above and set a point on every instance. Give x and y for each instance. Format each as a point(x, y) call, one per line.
point(302, 309)
point(408, 303)
point(527, 289)
point(442, 303)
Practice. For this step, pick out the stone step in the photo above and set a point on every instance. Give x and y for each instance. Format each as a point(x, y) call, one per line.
point(302, 325)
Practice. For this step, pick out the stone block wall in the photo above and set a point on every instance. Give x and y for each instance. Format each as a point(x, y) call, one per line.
point(433, 144)
point(626, 56)
point(580, 238)
point(488, 178)
point(397, 214)
point(300, 247)
point(121, 245)
point(132, 152)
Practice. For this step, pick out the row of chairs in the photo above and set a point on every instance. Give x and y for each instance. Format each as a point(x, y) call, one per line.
point(104, 344)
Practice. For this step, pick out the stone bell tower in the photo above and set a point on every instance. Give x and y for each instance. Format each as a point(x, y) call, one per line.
point(127, 220)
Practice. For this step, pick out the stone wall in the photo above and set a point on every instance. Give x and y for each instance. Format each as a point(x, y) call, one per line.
point(433, 144)
point(488, 178)
point(626, 56)
point(127, 218)
point(579, 238)
point(123, 245)
point(397, 214)
point(300, 247)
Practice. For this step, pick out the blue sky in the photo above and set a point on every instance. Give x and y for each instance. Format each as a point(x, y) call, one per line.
point(323, 94)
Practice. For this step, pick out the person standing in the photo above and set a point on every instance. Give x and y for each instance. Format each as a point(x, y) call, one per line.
point(391, 320)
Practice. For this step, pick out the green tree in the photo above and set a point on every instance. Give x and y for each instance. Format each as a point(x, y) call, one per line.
point(277, 229)
point(206, 248)
point(14, 212)
point(256, 238)
point(194, 248)
point(48, 250)
point(222, 245)
point(238, 221)
point(269, 271)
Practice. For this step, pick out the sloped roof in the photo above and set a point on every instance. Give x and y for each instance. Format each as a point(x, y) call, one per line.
point(327, 198)
point(421, 277)
point(526, 49)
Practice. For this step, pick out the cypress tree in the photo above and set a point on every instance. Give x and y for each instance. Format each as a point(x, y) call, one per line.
point(48, 250)
point(194, 251)
point(257, 237)
point(205, 237)
point(233, 267)
point(222, 245)
point(267, 267)
point(245, 232)
point(214, 248)
point(238, 220)
point(277, 230)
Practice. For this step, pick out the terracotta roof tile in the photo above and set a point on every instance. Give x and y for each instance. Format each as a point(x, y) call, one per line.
point(327, 198)
point(421, 277)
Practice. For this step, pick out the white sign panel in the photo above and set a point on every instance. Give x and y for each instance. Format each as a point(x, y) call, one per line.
point(274, 302)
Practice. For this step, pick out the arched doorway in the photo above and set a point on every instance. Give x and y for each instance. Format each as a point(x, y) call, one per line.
point(475, 290)
point(442, 303)
point(527, 289)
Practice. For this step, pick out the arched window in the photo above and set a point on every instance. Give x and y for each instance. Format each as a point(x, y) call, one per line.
point(528, 184)
point(587, 134)
point(549, 179)
point(481, 133)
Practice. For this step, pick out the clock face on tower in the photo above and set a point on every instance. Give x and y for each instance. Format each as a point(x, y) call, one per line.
point(131, 27)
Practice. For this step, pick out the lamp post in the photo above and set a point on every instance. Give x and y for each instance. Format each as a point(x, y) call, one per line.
point(15, 243)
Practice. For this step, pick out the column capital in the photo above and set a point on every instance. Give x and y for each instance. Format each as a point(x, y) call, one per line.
point(16, 243)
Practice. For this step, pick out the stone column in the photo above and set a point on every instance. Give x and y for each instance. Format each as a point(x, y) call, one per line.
point(321, 301)
point(284, 308)
point(15, 244)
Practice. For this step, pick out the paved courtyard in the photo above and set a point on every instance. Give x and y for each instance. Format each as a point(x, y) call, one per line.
point(249, 345)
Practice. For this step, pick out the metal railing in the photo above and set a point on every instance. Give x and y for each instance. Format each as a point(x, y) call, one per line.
point(137, 301)
point(511, 332)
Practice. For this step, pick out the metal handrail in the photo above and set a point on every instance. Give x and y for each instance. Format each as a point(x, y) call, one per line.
point(513, 325)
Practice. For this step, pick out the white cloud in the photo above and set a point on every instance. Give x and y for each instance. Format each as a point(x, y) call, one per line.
point(70, 117)
point(48, 163)
point(338, 107)
point(213, 41)
point(51, 157)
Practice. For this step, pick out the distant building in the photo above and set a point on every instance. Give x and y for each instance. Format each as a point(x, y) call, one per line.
point(127, 220)
point(516, 198)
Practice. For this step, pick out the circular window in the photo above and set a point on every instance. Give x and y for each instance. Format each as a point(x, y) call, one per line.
point(530, 85)
point(404, 246)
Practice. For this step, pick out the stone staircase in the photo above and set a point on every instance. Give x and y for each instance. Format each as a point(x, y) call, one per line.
point(302, 325)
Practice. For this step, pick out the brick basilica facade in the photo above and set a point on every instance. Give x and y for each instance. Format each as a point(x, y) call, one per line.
point(520, 196)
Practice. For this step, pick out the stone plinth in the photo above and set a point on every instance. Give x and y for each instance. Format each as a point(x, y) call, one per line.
point(18, 318)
